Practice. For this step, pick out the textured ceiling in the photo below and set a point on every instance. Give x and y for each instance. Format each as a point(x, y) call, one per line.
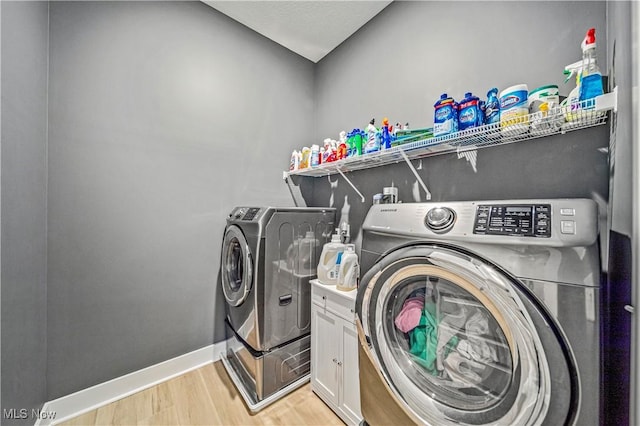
point(310, 28)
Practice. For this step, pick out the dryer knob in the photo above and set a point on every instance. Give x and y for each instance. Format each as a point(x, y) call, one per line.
point(440, 219)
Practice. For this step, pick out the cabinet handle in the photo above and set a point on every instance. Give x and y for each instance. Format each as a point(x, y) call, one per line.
point(335, 360)
point(353, 311)
point(324, 297)
point(339, 362)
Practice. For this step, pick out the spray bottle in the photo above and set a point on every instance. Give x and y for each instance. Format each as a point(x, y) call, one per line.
point(572, 103)
point(591, 81)
point(588, 79)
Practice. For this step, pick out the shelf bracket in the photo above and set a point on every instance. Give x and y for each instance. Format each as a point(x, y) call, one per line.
point(352, 185)
point(298, 200)
point(413, 169)
point(608, 101)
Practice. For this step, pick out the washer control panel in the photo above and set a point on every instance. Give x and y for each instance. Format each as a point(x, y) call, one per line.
point(523, 220)
point(560, 222)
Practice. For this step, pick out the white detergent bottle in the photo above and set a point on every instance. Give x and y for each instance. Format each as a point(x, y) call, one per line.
point(306, 255)
point(349, 272)
point(330, 260)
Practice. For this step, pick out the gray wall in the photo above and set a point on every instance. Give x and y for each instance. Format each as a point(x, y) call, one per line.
point(24, 206)
point(163, 116)
point(401, 61)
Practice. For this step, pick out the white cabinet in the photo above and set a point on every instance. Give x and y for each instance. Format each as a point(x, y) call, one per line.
point(334, 350)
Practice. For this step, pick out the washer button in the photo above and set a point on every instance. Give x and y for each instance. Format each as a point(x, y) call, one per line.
point(567, 212)
point(568, 227)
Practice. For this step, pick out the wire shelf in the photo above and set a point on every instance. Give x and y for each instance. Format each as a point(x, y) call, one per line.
point(558, 120)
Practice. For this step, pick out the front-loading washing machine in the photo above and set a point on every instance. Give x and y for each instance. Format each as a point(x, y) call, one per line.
point(269, 255)
point(479, 313)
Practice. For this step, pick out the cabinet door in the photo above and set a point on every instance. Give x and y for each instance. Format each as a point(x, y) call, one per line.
point(324, 353)
point(350, 395)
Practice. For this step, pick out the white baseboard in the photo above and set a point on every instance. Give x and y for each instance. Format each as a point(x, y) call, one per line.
point(72, 405)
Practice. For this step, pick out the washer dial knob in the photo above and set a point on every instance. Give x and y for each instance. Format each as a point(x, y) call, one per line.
point(440, 219)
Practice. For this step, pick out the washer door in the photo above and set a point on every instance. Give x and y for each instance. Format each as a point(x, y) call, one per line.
point(237, 266)
point(458, 341)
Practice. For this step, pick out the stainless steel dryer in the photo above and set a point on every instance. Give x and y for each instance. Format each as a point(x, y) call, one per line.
point(269, 255)
point(480, 313)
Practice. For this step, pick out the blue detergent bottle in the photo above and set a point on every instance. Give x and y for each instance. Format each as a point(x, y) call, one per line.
point(492, 107)
point(469, 112)
point(445, 118)
point(482, 106)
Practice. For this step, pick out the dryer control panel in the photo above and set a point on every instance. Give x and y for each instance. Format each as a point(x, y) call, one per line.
point(245, 213)
point(525, 220)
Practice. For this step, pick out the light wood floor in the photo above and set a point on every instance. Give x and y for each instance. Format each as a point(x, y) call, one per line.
point(207, 396)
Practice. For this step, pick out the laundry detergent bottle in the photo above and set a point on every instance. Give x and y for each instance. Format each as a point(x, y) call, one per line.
point(469, 112)
point(330, 259)
point(349, 272)
point(306, 254)
point(445, 119)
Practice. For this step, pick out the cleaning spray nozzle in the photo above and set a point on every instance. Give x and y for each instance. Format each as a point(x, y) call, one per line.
point(568, 74)
point(575, 69)
point(589, 39)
